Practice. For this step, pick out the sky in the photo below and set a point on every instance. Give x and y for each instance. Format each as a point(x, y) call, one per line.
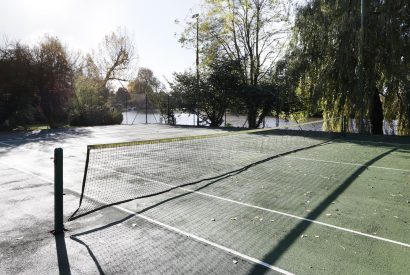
point(81, 25)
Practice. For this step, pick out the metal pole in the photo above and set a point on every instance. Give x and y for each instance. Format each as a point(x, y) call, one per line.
point(197, 66)
point(361, 68)
point(146, 108)
point(168, 114)
point(225, 117)
point(126, 108)
point(58, 191)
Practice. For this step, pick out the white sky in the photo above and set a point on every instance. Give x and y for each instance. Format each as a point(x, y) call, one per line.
point(81, 25)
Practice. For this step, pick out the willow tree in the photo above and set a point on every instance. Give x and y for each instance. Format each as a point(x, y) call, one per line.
point(253, 32)
point(340, 76)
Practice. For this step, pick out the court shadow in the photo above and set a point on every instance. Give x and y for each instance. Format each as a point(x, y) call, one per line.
point(295, 233)
point(60, 135)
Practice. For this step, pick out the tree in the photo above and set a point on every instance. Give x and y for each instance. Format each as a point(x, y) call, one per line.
point(328, 35)
point(54, 79)
point(218, 89)
point(146, 88)
point(122, 96)
point(116, 57)
point(253, 32)
point(18, 93)
point(89, 107)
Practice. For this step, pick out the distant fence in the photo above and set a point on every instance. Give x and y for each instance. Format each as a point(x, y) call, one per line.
point(168, 112)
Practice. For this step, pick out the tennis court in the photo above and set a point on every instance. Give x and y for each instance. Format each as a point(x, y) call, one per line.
point(287, 202)
point(203, 201)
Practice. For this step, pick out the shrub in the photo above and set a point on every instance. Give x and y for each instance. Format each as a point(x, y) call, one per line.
point(96, 115)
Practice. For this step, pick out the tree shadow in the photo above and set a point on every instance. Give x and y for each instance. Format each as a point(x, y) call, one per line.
point(17, 139)
point(211, 181)
point(287, 241)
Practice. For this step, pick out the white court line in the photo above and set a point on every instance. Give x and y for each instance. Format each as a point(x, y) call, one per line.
point(349, 163)
point(197, 238)
point(353, 141)
point(270, 210)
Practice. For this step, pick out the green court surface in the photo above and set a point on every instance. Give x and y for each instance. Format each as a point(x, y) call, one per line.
point(340, 206)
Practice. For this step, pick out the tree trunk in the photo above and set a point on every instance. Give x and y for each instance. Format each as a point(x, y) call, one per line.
point(252, 117)
point(376, 116)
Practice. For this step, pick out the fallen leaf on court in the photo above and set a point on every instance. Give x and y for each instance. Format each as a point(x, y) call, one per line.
point(134, 224)
point(396, 217)
point(19, 238)
point(303, 236)
point(316, 236)
point(234, 218)
point(328, 215)
point(235, 261)
point(213, 219)
point(272, 220)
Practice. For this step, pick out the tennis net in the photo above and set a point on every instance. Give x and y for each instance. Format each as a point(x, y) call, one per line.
point(120, 172)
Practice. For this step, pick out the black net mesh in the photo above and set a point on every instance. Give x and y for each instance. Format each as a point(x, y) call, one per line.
point(121, 172)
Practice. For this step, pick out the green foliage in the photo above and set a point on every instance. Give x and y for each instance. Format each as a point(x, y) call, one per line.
point(87, 91)
point(251, 33)
point(18, 94)
point(54, 78)
point(35, 84)
point(218, 89)
point(90, 106)
point(146, 87)
point(327, 49)
point(95, 115)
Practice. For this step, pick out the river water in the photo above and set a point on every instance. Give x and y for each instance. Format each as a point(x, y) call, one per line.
point(134, 117)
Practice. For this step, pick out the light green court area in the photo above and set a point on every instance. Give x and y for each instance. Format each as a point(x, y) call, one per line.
point(341, 207)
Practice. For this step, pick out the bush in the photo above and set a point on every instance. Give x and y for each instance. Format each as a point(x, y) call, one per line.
point(96, 115)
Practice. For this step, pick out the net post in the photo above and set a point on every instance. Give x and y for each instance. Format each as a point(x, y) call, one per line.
point(58, 191)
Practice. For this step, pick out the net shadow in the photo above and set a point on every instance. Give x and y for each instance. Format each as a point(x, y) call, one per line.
point(99, 206)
